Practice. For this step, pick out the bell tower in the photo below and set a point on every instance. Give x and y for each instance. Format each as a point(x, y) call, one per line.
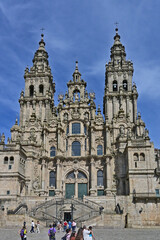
point(120, 93)
point(39, 88)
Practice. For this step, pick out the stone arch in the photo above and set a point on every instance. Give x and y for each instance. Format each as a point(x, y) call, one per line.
point(77, 185)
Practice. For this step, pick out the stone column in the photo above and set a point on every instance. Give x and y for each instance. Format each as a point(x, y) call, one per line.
point(114, 106)
point(134, 108)
point(108, 138)
point(40, 110)
point(108, 172)
point(93, 177)
point(127, 105)
point(92, 142)
point(58, 179)
point(76, 184)
point(43, 174)
point(21, 113)
point(28, 110)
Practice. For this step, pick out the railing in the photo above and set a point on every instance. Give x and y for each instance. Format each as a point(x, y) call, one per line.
point(151, 195)
point(23, 205)
point(85, 204)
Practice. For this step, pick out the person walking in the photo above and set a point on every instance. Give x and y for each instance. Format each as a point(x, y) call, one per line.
point(73, 226)
point(86, 233)
point(52, 233)
point(91, 236)
point(38, 230)
point(65, 226)
point(23, 233)
point(69, 224)
point(32, 227)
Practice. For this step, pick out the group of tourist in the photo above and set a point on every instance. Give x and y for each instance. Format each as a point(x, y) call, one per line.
point(68, 227)
point(70, 231)
point(34, 229)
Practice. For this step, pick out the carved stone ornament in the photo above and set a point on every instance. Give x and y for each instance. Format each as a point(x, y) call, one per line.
point(35, 184)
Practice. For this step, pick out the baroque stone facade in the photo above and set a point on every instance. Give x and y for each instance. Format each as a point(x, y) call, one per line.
point(70, 151)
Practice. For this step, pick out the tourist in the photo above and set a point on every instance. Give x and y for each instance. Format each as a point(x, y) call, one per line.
point(51, 232)
point(23, 233)
point(73, 236)
point(32, 227)
point(91, 236)
point(69, 224)
point(79, 235)
point(65, 225)
point(38, 230)
point(86, 233)
point(73, 226)
point(67, 235)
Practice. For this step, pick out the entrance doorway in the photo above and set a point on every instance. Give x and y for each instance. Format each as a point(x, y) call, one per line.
point(67, 216)
point(82, 190)
point(70, 190)
point(76, 184)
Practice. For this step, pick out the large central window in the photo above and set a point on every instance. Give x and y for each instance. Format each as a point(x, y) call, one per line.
point(76, 128)
point(76, 148)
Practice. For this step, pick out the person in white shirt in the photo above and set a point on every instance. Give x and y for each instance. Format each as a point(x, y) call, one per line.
point(86, 233)
point(32, 226)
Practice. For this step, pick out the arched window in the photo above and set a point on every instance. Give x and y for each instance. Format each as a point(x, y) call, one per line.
point(76, 128)
point(135, 157)
point(115, 86)
point(100, 178)
point(31, 90)
point(41, 88)
point(125, 85)
point(76, 148)
point(5, 160)
point(99, 150)
point(81, 175)
point(85, 129)
point(11, 160)
point(70, 175)
point(52, 151)
point(142, 157)
point(52, 179)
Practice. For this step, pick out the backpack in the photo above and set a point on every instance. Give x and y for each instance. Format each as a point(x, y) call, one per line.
point(22, 232)
point(52, 234)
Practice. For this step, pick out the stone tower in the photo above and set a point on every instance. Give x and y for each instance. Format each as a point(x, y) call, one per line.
point(39, 88)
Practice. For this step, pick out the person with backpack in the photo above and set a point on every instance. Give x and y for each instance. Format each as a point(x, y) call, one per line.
point(51, 233)
point(67, 235)
point(23, 233)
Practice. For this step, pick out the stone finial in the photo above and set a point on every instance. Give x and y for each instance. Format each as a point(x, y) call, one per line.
point(16, 122)
point(3, 138)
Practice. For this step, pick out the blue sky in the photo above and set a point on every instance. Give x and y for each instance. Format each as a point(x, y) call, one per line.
point(80, 30)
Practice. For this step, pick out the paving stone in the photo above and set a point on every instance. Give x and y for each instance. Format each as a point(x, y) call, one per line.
point(100, 234)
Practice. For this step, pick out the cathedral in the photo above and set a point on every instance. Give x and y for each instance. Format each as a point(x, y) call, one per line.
point(74, 159)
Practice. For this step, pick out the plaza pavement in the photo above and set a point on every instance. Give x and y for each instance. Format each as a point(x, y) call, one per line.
point(100, 234)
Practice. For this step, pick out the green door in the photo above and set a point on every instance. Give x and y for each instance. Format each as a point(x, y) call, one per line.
point(69, 190)
point(82, 190)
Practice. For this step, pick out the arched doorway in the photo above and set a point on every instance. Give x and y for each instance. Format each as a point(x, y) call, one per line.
point(76, 184)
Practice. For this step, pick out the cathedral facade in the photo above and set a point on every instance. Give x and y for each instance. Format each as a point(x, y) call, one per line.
point(74, 151)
